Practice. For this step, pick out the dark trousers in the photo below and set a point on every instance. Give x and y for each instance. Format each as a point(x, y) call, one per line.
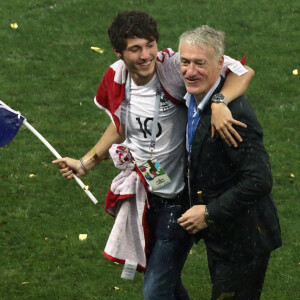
point(169, 246)
point(237, 279)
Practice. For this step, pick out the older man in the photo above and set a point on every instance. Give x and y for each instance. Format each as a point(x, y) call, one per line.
point(230, 187)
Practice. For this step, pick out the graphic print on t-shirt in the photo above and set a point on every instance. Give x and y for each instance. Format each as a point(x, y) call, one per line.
point(146, 130)
point(164, 103)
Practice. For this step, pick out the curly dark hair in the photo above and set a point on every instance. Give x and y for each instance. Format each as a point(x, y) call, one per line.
point(131, 24)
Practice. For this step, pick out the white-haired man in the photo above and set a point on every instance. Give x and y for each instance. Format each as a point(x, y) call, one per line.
point(230, 187)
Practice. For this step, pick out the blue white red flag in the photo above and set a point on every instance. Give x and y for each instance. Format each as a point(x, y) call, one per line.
point(10, 123)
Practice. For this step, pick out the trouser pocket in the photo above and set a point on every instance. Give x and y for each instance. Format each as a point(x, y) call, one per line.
point(167, 224)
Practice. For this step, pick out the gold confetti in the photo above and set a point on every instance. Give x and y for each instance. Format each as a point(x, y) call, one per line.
point(46, 239)
point(191, 252)
point(25, 282)
point(83, 236)
point(86, 187)
point(96, 49)
point(116, 288)
point(31, 175)
point(295, 72)
point(292, 175)
point(14, 25)
point(116, 263)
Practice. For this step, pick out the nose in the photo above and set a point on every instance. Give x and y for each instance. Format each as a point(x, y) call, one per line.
point(145, 54)
point(190, 70)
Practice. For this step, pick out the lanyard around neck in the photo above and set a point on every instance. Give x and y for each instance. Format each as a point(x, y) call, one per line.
point(193, 119)
point(159, 95)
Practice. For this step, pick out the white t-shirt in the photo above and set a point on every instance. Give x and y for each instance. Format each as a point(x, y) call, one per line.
point(170, 141)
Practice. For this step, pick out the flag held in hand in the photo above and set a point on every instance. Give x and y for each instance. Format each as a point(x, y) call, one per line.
point(10, 123)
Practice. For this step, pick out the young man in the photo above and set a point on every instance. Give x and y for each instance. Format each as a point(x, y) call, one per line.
point(230, 187)
point(154, 124)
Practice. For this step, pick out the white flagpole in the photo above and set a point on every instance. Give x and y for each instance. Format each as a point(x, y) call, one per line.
point(56, 154)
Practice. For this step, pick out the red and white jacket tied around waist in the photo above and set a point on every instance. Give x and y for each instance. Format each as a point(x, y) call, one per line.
point(126, 200)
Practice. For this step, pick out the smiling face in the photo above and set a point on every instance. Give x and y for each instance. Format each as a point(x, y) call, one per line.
point(200, 68)
point(140, 58)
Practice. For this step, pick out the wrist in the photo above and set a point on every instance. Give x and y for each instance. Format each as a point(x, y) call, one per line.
point(207, 217)
point(90, 160)
point(83, 167)
point(219, 98)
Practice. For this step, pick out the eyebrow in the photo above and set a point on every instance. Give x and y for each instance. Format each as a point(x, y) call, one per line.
point(200, 60)
point(193, 60)
point(139, 46)
point(133, 46)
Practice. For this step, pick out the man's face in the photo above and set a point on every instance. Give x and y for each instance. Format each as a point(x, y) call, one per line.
point(140, 58)
point(200, 68)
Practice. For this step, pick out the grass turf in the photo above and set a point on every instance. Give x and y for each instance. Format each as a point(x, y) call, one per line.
point(50, 74)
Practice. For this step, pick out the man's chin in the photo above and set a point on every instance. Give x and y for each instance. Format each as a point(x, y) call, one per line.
point(192, 90)
point(147, 73)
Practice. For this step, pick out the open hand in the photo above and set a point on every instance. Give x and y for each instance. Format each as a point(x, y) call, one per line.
point(222, 121)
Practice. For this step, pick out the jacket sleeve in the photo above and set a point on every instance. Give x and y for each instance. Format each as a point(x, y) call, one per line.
point(253, 177)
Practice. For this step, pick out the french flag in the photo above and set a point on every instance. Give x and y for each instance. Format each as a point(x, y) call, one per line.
point(10, 123)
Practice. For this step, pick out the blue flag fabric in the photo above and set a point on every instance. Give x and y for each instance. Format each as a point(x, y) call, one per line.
point(10, 123)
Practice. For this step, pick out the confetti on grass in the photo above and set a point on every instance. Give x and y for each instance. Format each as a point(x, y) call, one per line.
point(14, 26)
point(32, 175)
point(295, 72)
point(292, 175)
point(96, 49)
point(83, 236)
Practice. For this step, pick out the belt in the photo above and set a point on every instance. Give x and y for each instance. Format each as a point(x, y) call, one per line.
point(156, 201)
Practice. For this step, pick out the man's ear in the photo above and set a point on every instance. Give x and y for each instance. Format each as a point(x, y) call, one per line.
point(220, 61)
point(119, 55)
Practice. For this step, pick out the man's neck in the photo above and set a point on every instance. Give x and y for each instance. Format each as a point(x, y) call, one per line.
point(140, 80)
point(208, 93)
